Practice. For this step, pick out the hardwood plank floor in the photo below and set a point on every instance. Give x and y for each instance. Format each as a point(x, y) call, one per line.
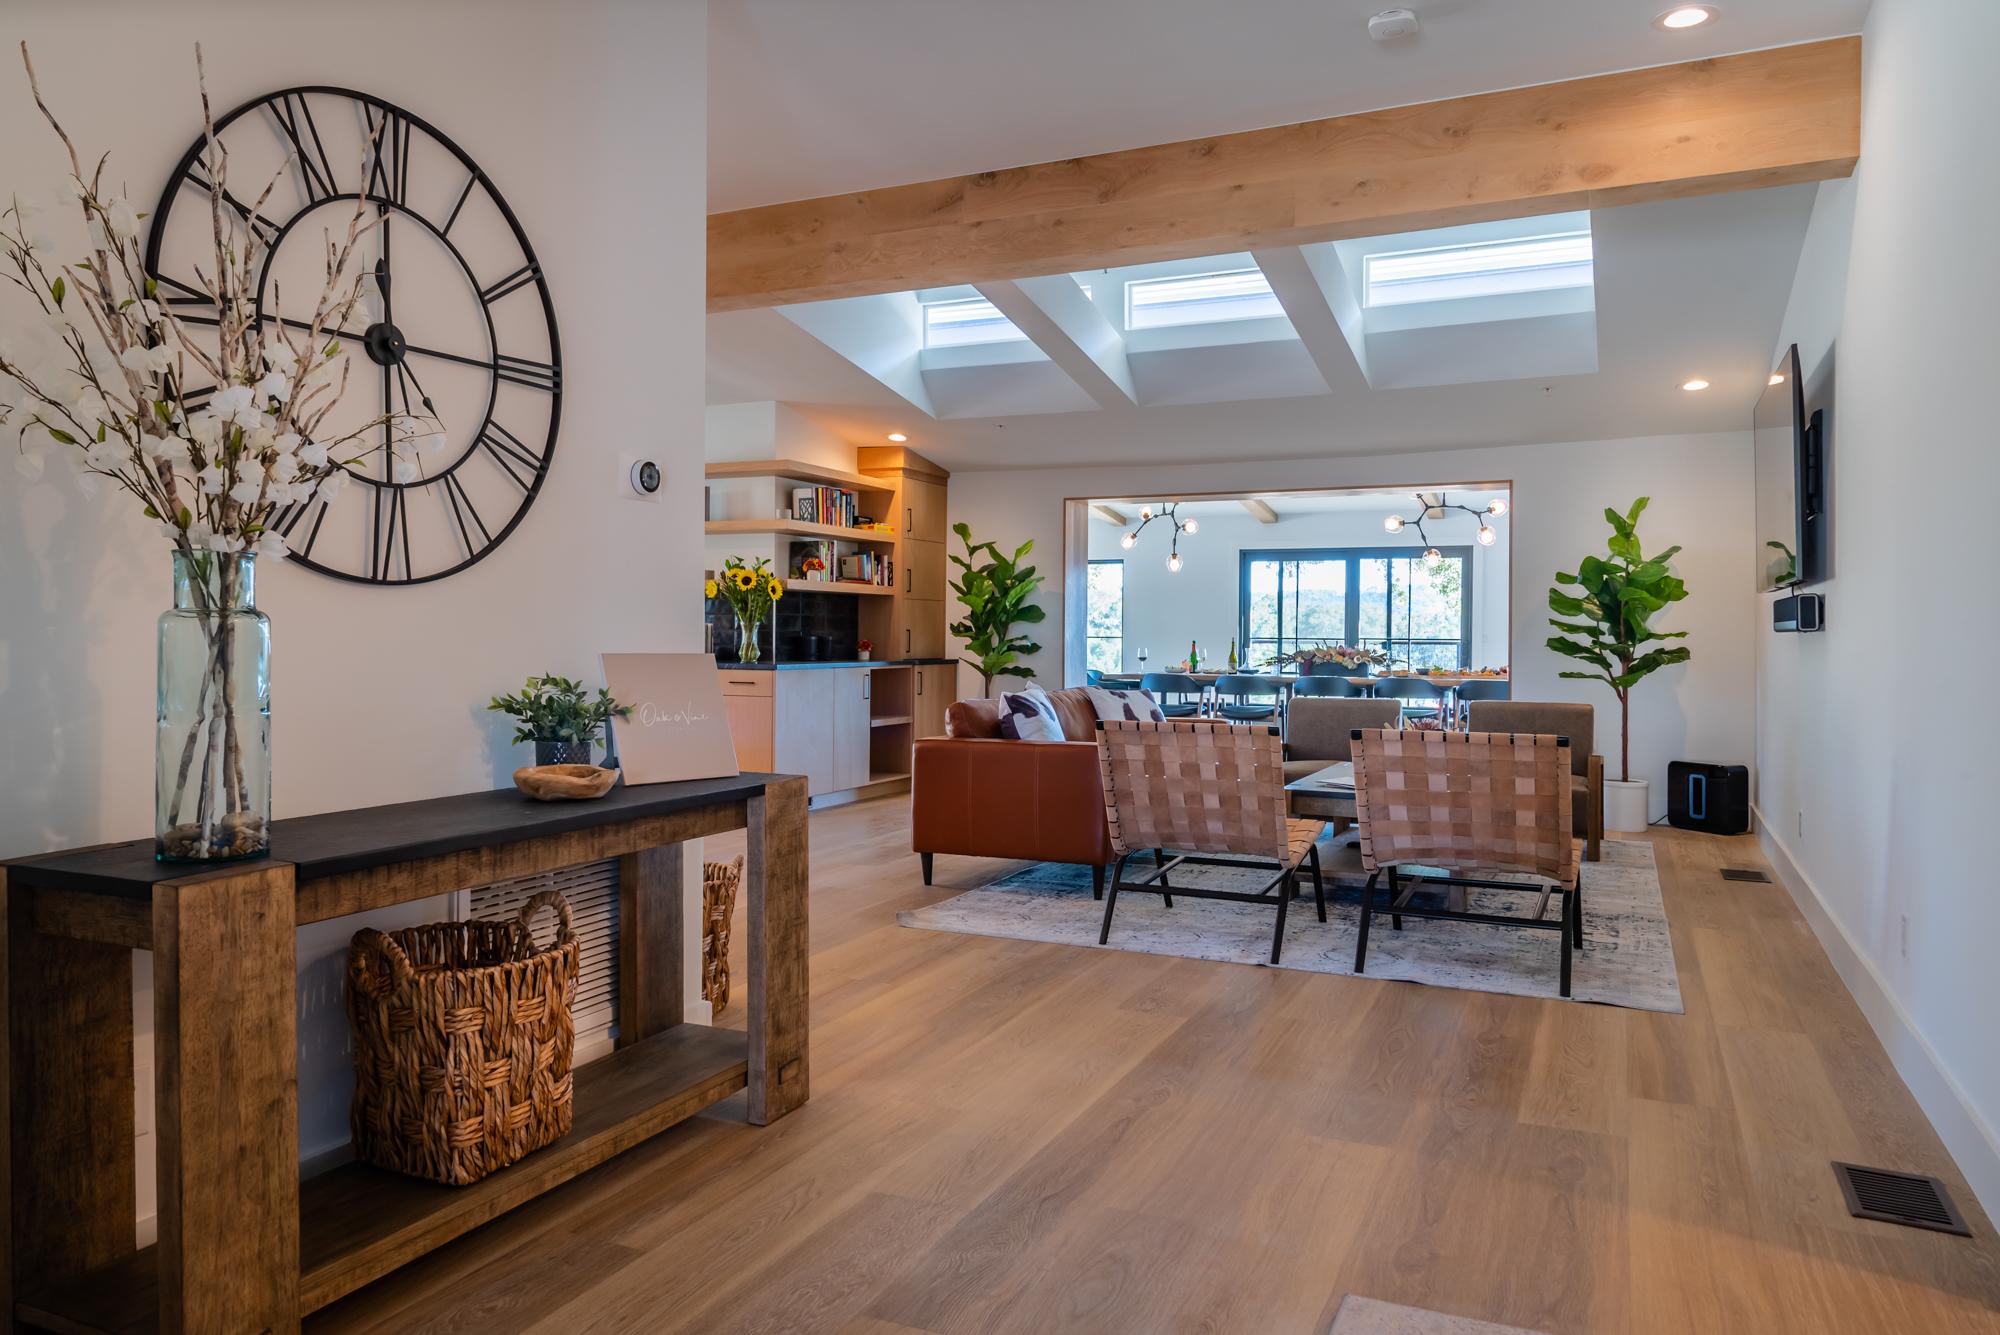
point(1010, 1136)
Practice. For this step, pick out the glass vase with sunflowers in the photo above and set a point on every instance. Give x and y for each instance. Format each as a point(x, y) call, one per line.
point(750, 590)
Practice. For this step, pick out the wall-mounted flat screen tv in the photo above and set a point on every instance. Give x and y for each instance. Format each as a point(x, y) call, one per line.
point(1787, 459)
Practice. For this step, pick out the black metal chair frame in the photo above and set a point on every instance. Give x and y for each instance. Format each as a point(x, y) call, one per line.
point(1570, 924)
point(1155, 882)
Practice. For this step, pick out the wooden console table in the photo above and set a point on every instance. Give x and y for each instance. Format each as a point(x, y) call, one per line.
point(243, 1244)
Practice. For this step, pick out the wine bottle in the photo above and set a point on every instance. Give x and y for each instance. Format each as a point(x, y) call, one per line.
point(1232, 653)
point(1194, 657)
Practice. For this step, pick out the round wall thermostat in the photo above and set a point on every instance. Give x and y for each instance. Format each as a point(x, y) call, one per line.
point(646, 477)
point(1390, 24)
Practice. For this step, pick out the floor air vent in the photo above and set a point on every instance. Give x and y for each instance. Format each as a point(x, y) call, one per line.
point(1899, 1198)
point(1745, 874)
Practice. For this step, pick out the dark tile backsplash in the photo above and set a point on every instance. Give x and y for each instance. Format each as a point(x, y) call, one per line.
point(799, 614)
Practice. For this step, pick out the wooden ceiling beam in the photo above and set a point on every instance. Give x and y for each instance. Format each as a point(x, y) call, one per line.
point(1261, 511)
point(1763, 118)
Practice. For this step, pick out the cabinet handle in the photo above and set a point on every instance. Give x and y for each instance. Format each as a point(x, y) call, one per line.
point(920, 681)
point(867, 679)
point(906, 640)
point(906, 579)
point(737, 681)
point(909, 519)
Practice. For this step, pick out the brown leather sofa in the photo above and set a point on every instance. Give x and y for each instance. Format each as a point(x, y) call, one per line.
point(1576, 722)
point(978, 794)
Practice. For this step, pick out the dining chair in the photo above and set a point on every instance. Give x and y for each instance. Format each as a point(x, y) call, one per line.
point(1203, 793)
point(1327, 684)
point(1093, 677)
point(1163, 686)
point(1234, 691)
point(1489, 802)
point(1407, 689)
point(1483, 689)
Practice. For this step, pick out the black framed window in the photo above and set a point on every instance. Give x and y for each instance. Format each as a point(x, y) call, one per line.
point(1104, 624)
point(1389, 598)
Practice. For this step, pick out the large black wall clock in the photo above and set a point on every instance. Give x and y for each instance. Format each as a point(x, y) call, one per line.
point(455, 318)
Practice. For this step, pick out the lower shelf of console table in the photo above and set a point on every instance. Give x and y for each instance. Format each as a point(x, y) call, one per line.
point(244, 1245)
point(358, 1223)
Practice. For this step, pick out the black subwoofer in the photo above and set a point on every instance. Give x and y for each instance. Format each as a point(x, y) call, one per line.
point(1712, 798)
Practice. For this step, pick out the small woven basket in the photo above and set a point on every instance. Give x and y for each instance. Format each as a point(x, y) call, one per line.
point(462, 1043)
point(719, 881)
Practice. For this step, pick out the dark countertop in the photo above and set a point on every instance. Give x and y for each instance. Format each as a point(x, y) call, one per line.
point(832, 663)
point(337, 842)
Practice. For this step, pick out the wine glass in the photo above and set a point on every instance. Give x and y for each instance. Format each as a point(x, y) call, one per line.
point(1142, 658)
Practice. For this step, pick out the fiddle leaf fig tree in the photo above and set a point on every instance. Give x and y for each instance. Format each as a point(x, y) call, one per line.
point(1606, 618)
point(995, 590)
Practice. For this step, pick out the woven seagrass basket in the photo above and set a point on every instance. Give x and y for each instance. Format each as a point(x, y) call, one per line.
point(719, 881)
point(462, 1043)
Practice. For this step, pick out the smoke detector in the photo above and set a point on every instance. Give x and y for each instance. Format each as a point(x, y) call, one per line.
point(1391, 24)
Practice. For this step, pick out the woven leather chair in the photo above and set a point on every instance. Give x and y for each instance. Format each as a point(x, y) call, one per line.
point(1479, 802)
point(1576, 722)
point(1185, 788)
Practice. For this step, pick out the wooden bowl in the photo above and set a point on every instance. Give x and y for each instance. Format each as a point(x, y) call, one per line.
point(564, 783)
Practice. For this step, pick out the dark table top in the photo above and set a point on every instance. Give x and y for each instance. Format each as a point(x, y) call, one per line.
point(721, 662)
point(336, 842)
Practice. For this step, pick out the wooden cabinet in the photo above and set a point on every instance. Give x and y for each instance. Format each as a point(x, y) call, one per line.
point(849, 688)
point(923, 508)
point(917, 628)
point(923, 569)
point(746, 699)
point(935, 691)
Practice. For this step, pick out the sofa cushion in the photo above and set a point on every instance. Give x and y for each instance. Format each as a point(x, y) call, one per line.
point(1029, 716)
point(1575, 722)
point(1136, 705)
point(981, 718)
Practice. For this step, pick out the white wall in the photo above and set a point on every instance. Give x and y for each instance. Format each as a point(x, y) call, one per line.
point(1701, 493)
point(1165, 609)
point(1873, 798)
point(590, 117)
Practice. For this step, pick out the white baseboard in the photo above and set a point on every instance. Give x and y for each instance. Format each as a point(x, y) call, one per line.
point(1965, 1133)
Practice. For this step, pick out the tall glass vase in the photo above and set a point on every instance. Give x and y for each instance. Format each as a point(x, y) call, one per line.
point(212, 753)
point(747, 648)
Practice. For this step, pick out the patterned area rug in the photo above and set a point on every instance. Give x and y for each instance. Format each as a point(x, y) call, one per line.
point(1627, 957)
point(1370, 1316)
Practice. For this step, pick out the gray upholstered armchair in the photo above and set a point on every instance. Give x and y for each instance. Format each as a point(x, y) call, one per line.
point(1576, 722)
point(1319, 729)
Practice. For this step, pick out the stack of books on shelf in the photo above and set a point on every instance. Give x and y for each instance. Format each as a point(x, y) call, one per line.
point(819, 562)
point(826, 505)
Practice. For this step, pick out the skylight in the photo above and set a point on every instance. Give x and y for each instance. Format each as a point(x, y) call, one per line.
point(1484, 269)
point(1203, 298)
point(957, 324)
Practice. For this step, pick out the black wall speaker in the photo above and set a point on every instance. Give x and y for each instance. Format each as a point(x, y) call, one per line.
point(1712, 798)
point(1800, 612)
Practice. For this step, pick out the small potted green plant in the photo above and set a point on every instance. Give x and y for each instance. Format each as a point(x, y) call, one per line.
point(560, 717)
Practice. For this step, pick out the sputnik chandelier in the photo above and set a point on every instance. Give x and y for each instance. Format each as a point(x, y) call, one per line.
point(1432, 506)
point(1167, 512)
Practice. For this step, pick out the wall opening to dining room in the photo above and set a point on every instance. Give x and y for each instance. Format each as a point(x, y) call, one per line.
point(1271, 574)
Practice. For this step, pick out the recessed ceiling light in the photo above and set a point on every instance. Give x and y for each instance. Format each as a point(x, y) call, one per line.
point(898, 436)
point(1686, 16)
point(1692, 385)
point(1775, 379)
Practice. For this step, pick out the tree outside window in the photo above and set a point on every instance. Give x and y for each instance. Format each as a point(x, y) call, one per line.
point(1104, 643)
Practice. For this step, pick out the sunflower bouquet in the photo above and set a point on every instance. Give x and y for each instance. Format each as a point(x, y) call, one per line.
point(750, 590)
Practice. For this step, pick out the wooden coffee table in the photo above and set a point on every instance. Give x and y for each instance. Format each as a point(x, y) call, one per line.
point(1326, 794)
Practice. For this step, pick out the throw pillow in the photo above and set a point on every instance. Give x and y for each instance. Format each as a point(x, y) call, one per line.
point(1136, 704)
point(1029, 716)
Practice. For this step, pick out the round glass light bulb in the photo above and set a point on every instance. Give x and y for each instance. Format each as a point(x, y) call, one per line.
point(1433, 554)
point(1486, 536)
point(1393, 524)
point(1496, 508)
point(1129, 541)
point(1145, 512)
point(1190, 526)
point(1174, 563)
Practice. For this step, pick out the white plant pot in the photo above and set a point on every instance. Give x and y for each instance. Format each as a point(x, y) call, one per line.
point(1625, 807)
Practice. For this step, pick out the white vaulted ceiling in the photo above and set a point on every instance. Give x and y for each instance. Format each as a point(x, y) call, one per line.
point(809, 98)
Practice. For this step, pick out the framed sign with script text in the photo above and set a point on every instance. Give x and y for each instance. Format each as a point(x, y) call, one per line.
point(677, 728)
